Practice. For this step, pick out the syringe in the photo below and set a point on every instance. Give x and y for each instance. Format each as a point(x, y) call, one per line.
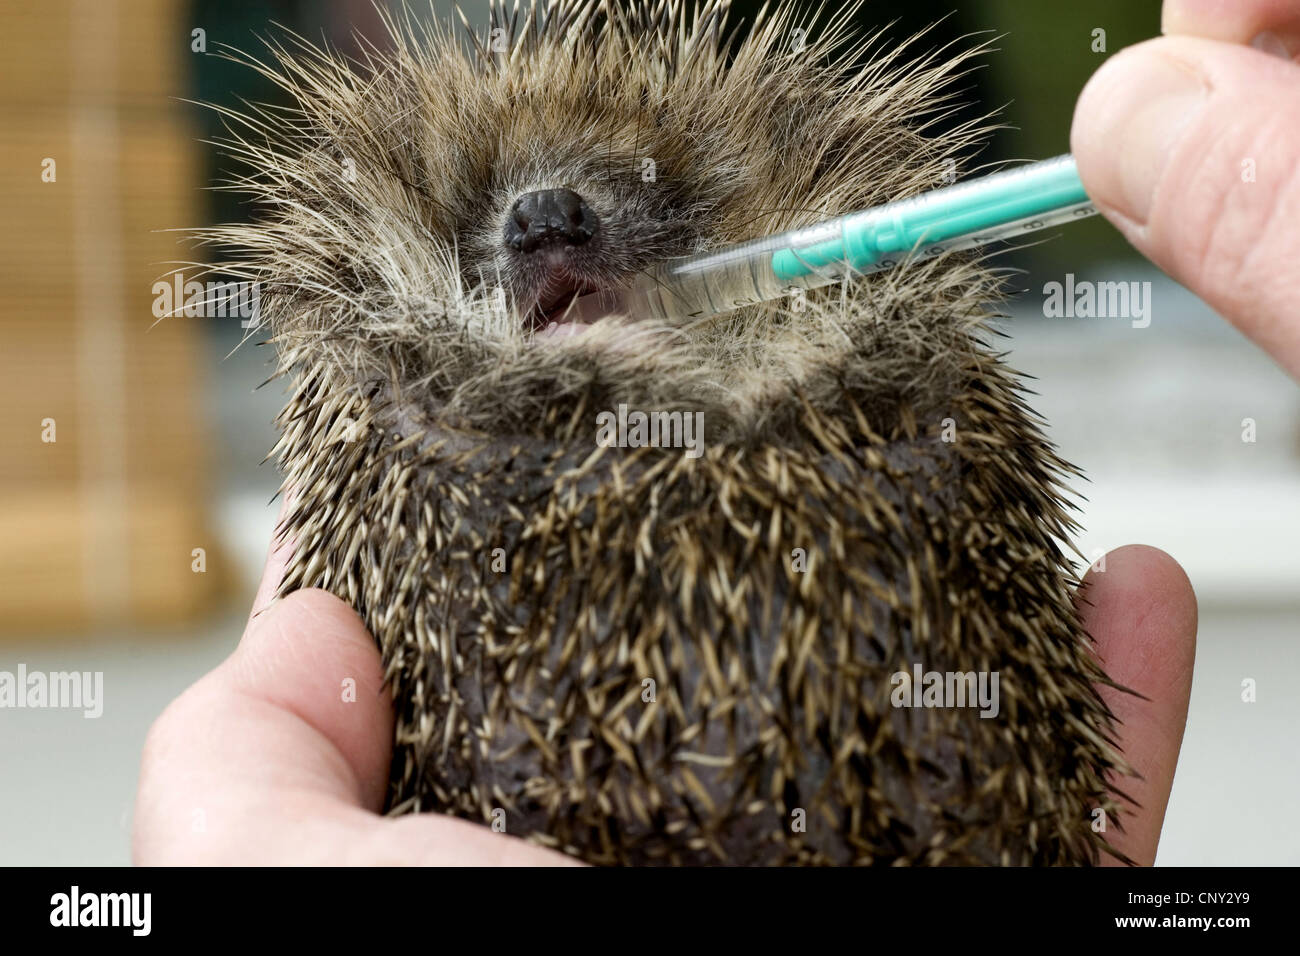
point(1000, 206)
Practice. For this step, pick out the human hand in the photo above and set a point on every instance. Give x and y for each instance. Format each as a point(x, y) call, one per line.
point(263, 762)
point(1190, 145)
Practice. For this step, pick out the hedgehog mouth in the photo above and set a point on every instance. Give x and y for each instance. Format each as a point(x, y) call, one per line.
point(547, 316)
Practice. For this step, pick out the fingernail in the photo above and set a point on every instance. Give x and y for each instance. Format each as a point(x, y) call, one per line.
point(1270, 43)
point(1129, 119)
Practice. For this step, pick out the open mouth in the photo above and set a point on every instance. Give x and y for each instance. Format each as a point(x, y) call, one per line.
point(547, 317)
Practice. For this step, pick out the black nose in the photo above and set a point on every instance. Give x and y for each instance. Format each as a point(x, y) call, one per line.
point(549, 215)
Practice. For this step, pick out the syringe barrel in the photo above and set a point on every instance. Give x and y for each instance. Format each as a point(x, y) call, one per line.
point(969, 214)
point(1002, 206)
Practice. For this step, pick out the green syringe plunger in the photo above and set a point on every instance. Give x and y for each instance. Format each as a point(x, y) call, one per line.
point(963, 216)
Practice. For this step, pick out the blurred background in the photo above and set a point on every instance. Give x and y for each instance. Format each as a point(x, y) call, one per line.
point(134, 513)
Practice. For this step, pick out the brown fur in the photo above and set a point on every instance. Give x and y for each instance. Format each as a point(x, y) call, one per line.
point(429, 439)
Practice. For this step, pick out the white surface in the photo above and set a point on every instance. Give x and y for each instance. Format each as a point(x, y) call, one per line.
point(1234, 791)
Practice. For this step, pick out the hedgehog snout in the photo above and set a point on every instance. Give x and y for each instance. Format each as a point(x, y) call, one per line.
point(549, 216)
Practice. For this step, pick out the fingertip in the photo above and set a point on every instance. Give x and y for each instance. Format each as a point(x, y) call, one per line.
point(1139, 599)
point(1142, 562)
point(1128, 119)
point(311, 611)
point(311, 654)
point(1140, 609)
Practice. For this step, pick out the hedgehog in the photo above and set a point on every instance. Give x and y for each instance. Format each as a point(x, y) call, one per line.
point(697, 645)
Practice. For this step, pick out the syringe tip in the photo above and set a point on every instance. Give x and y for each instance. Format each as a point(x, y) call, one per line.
point(594, 306)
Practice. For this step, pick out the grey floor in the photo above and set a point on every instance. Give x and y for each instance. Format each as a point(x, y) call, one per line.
point(1153, 415)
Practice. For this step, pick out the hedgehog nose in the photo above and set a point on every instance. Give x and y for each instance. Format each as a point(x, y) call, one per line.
point(549, 215)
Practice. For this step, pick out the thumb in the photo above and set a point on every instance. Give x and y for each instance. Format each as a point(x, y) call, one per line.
point(1190, 147)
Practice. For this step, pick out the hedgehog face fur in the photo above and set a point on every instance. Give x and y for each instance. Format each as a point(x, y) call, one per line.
point(637, 655)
